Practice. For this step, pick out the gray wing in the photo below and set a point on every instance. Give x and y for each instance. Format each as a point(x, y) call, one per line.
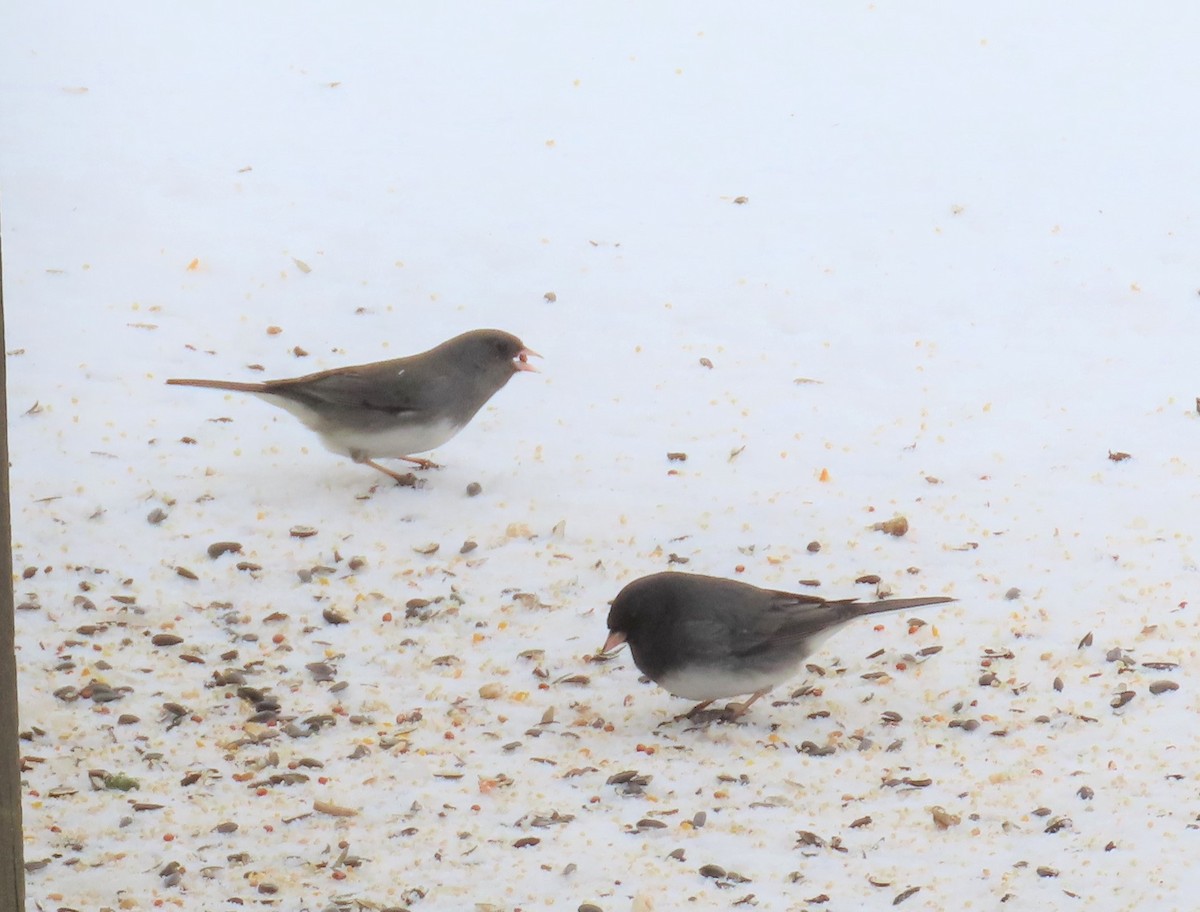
point(385, 386)
point(789, 619)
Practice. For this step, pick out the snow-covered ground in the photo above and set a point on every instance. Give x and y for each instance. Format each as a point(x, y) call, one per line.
point(972, 226)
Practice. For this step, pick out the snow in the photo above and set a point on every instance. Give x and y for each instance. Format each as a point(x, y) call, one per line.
point(972, 226)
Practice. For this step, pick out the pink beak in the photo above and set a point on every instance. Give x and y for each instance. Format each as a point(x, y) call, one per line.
point(614, 641)
point(522, 361)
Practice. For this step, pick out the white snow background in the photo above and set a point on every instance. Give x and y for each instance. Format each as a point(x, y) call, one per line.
point(973, 224)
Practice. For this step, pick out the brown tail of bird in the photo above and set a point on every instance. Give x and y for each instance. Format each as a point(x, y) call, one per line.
point(220, 385)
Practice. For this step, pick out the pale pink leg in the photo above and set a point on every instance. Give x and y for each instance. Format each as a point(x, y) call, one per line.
point(407, 480)
point(745, 706)
point(422, 463)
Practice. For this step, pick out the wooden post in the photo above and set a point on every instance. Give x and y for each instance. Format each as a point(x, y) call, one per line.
point(12, 843)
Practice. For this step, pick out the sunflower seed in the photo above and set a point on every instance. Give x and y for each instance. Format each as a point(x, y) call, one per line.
point(216, 549)
point(1122, 698)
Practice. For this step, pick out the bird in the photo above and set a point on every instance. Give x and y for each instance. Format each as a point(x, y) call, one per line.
point(398, 407)
point(706, 638)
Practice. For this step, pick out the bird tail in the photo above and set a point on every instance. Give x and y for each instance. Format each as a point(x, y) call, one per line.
point(220, 385)
point(898, 604)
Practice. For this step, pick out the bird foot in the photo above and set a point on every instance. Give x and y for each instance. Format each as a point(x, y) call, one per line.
point(702, 718)
point(421, 463)
point(407, 480)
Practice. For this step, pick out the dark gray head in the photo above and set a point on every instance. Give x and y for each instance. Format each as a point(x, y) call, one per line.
point(650, 600)
point(490, 353)
point(643, 605)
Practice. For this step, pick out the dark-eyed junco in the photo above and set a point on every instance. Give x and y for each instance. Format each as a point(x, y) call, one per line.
point(707, 638)
point(399, 407)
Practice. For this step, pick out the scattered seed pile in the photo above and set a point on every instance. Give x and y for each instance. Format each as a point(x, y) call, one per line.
point(376, 697)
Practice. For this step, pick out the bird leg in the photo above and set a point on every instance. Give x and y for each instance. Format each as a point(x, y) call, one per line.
point(408, 480)
point(691, 714)
point(727, 715)
point(697, 710)
point(421, 463)
point(741, 710)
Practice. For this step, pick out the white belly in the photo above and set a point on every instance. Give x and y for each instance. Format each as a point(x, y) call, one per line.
point(400, 439)
point(714, 684)
point(394, 442)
